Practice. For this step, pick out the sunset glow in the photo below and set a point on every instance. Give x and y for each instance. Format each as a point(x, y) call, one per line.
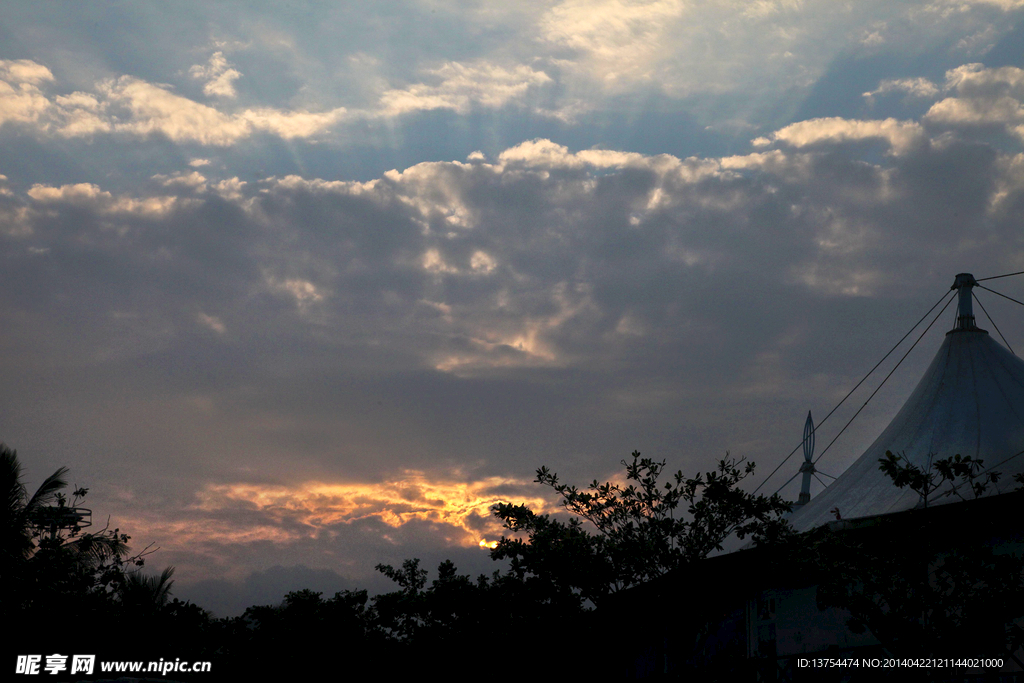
point(245, 513)
point(313, 287)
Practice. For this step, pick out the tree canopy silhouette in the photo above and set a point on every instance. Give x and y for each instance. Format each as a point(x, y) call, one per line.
point(643, 529)
point(929, 581)
point(54, 569)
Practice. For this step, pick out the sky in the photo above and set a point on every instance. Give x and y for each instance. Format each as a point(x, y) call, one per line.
point(297, 288)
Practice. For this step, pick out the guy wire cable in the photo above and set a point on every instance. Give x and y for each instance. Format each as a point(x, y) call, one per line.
point(996, 277)
point(1002, 295)
point(784, 460)
point(993, 323)
point(937, 316)
point(884, 380)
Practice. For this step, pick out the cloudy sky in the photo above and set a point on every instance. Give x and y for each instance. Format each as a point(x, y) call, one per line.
point(297, 288)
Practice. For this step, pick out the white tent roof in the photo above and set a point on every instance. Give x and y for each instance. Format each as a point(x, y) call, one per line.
point(970, 401)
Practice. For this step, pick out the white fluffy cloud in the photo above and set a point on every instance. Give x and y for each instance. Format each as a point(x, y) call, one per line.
point(914, 87)
point(21, 99)
point(901, 136)
point(101, 201)
point(24, 71)
point(982, 97)
point(192, 180)
point(219, 76)
point(618, 40)
point(682, 48)
point(498, 259)
point(459, 87)
point(156, 109)
point(545, 154)
point(129, 105)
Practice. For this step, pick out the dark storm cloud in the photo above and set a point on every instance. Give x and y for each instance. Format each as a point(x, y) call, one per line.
point(282, 307)
point(260, 347)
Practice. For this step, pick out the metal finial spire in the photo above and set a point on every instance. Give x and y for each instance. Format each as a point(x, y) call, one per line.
point(809, 438)
point(807, 467)
point(965, 311)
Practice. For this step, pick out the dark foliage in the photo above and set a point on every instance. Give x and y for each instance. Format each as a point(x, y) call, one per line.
point(643, 530)
point(77, 592)
point(925, 585)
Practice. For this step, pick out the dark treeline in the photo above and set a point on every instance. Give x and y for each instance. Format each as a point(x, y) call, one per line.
point(561, 606)
point(452, 624)
point(72, 590)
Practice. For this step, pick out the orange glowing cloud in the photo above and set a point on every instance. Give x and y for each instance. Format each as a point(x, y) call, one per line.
point(244, 512)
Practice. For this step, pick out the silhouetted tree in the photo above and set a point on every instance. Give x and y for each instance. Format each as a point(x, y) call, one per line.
point(143, 593)
point(643, 530)
point(305, 635)
point(454, 623)
point(67, 587)
point(47, 559)
point(924, 587)
point(20, 510)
